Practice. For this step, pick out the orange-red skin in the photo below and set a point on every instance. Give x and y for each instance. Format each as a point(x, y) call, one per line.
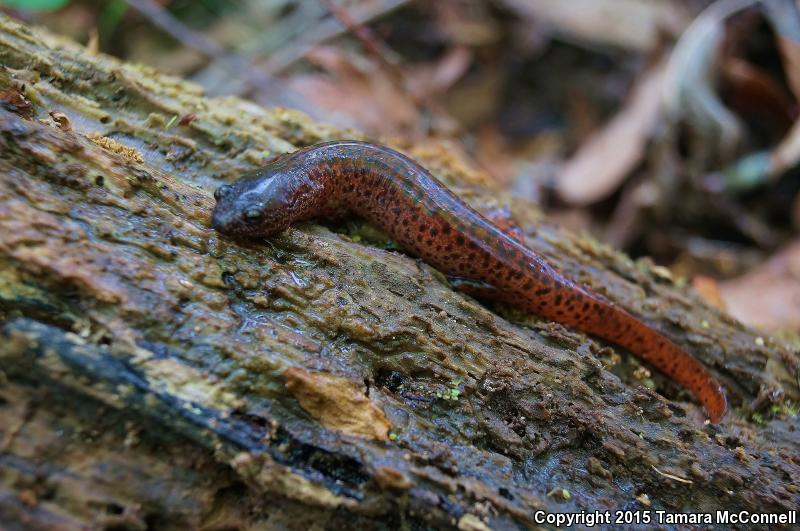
point(398, 195)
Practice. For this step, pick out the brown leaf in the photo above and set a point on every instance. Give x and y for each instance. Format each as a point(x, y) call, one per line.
point(708, 288)
point(598, 168)
point(356, 90)
point(753, 90)
point(769, 295)
point(436, 78)
point(633, 24)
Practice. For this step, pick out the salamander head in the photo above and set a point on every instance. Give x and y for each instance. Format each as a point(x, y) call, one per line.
point(262, 203)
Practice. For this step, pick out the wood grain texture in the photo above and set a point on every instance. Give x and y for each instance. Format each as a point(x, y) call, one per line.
point(142, 356)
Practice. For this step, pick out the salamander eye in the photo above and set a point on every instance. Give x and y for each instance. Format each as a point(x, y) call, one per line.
point(252, 213)
point(222, 191)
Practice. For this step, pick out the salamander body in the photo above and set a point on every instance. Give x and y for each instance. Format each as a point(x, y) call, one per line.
point(401, 197)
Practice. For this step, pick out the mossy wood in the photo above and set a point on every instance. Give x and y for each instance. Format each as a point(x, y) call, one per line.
point(156, 375)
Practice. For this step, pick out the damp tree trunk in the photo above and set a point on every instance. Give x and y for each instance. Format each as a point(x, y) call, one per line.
point(156, 375)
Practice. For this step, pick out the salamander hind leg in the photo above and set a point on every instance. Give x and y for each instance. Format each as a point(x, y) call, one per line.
point(475, 288)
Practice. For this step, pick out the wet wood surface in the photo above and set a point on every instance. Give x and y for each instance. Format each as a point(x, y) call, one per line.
point(156, 375)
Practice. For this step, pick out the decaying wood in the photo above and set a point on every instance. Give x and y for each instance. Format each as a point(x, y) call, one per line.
point(155, 375)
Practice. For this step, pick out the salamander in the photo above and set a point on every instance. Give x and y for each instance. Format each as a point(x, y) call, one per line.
point(402, 198)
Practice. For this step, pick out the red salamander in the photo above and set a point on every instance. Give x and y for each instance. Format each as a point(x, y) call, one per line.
point(401, 197)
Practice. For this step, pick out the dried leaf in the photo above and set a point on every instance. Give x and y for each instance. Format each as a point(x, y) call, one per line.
point(608, 157)
point(754, 91)
point(354, 90)
point(438, 77)
point(769, 295)
point(708, 288)
point(633, 24)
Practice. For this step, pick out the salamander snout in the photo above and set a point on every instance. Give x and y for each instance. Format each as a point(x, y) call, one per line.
point(266, 201)
point(253, 207)
point(237, 212)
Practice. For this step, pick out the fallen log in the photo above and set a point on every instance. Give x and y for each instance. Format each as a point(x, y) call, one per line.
point(154, 374)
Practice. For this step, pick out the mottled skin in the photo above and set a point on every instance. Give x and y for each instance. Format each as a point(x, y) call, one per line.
point(398, 195)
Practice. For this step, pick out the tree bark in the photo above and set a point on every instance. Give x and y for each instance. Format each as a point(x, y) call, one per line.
point(156, 375)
